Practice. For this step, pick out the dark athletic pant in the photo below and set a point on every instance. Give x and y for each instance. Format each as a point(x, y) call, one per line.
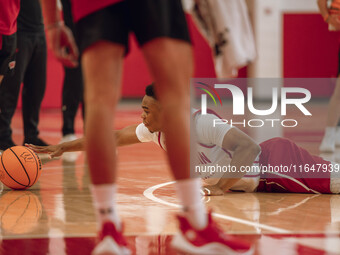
point(31, 70)
point(73, 83)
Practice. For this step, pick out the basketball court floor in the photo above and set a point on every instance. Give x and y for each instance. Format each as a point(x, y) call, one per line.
point(56, 217)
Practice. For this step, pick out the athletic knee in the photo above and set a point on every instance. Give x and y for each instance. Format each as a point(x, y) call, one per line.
point(101, 98)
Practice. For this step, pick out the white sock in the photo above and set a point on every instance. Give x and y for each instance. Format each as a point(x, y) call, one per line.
point(337, 135)
point(189, 193)
point(335, 208)
point(330, 132)
point(104, 201)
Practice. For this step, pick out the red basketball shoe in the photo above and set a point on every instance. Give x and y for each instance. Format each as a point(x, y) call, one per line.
point(211, 240)
point(112, 242)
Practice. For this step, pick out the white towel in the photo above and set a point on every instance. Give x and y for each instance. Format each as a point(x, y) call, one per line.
point(226, 26)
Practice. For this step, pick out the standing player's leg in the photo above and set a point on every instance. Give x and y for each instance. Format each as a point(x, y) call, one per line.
point(71, 98)
point(170, 62)
point(73, 90)
point(102, 65)
point(9, 94)
point(10, 87)
point(8, 44)
point(332, 131)
point(172, 79)
point(169, 56)
point(34, 89)
point(103, 40)
point(333, 113)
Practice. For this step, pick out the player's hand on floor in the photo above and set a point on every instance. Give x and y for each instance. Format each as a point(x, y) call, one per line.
point(52, 150)
point(212, 190)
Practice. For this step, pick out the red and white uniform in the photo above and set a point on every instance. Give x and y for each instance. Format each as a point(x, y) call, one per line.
point(9, 10)
point(82, 8)
point(209, 150)
point(281, 151)
point(211, 153)
point(144, 135)
point(276, 151)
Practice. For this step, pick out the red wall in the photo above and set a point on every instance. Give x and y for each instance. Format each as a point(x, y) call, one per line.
point(310, 51)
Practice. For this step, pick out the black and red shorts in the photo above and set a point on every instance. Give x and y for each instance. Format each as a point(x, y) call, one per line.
point(147, 19)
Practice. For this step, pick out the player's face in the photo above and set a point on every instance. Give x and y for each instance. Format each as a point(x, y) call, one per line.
point(151, 114)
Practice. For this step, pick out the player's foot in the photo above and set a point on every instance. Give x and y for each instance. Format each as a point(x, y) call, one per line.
point(69, 156)
point(328, 141)
point(112, 242)
point(327, 144)
point(211, 240)
point(6, 143)
point(35, 141)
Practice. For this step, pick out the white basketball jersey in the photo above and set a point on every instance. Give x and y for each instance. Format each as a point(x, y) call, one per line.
point(209, 149)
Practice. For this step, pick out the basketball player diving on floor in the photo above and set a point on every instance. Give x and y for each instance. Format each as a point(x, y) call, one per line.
point(228, 146)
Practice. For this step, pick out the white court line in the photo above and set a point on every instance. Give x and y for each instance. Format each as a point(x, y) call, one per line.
point(148, 193)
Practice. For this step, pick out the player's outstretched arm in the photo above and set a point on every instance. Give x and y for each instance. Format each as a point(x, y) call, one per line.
point(58, 149)
point(125, 136)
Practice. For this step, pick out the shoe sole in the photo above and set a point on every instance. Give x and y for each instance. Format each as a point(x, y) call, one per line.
point(180, 244)
point(109, 247)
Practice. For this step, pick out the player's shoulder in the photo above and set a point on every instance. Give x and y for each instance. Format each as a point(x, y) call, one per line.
point(143, 133)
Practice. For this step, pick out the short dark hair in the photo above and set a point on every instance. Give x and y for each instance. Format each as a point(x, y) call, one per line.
point(150, 91)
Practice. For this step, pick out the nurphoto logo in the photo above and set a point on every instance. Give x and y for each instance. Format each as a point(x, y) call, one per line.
point(240, 101)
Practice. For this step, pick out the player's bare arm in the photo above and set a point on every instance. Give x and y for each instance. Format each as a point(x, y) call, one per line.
point(58, 149)
point(125, 136)
point(245, 152)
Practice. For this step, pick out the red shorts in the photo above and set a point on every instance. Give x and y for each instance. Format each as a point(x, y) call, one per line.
point(301, 178)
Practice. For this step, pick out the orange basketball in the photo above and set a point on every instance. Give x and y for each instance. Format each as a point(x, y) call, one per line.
point(20, 167)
